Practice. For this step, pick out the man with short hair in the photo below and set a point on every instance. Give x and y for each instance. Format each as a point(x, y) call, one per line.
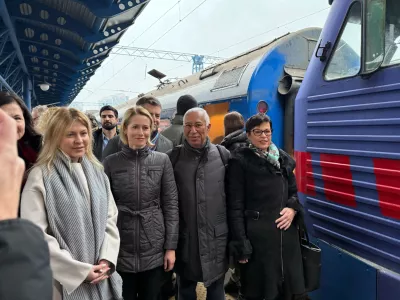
point(175, 132)
point(108, 130)
point(161, 143)
point(199, 168)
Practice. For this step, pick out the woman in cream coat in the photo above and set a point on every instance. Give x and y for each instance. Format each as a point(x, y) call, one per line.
point(68, 196)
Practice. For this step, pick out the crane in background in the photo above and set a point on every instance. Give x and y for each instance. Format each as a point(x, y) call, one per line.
point(198, 60)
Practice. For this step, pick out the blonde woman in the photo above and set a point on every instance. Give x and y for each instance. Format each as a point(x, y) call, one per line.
point(143, 185)
point(68, 196)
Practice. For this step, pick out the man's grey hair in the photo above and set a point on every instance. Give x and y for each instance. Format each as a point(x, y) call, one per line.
point(201, 111)
point(40, 109)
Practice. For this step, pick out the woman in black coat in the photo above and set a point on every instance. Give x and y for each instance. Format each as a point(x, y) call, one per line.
point(262, 209)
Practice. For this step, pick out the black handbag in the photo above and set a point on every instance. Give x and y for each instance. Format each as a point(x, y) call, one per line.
point(311, 255)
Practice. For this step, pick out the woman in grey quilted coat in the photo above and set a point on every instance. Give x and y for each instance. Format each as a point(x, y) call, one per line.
point(143, 185)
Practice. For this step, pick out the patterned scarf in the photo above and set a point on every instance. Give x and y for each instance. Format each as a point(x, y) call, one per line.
point(79, 224)
point(271, 154)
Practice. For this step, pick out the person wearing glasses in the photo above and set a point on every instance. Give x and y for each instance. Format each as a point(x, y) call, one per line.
point(263, 208)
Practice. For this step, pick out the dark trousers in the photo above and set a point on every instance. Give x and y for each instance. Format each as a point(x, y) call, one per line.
point(187, 289)
point(143, 285)
point(284, 295)
point(293, 297)
point(168, 286)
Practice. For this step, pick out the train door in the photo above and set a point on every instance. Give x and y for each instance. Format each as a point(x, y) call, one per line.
point(217, 111)
point(347, 147)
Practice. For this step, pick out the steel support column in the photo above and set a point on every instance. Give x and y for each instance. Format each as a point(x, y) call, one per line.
point(7, 21)
point(5, 84)
point(27, 92)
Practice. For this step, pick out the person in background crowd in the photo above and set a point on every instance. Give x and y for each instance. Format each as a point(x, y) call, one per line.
point(43, 121)
point(235, 136)
point(93, 121)
point(164, 124)
point(144, 189)
point(37, 112)
point(108, 130)
point(175, 132)
point(24, 255)
point(69, 197)
point(217, 140)
point(160, 143)
point(263, 207)
point(199, 168)
point(29, 141)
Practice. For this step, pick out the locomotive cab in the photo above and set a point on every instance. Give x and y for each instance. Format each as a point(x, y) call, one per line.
point(347, 148)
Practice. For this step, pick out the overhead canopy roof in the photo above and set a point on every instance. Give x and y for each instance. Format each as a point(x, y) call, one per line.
point(62, 42)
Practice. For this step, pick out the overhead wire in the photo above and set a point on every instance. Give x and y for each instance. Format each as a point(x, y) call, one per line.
point(114, 90)
point(270, 30)
point(254, 36)
point(158, 39)
point(259, 34)
point(147, 29)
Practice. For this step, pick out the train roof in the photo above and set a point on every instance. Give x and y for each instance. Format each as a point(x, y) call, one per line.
point(220, 78)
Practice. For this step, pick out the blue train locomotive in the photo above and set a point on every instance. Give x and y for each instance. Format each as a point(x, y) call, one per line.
point(264, 79)
point(347, 148)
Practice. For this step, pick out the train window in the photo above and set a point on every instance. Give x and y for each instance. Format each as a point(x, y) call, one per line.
point(346, 58)
point(374, 44)
point(392, 33)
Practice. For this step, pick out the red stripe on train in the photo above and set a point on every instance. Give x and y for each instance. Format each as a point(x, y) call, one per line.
point(338, 181)
point(304, 176)
point(387, 174)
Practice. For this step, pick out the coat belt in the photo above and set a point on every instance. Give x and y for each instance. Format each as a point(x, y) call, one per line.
point(255, 215)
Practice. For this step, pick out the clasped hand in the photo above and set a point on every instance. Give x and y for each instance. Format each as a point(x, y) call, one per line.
point(99, 272)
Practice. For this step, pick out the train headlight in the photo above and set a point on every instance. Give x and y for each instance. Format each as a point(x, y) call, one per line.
point(262, 107)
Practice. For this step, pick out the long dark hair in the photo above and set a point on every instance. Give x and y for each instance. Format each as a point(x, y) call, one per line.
point(9, 98)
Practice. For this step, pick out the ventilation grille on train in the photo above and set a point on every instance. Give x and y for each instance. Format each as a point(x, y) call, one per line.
point(229, 78)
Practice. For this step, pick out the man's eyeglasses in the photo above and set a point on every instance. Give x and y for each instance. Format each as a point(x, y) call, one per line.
point(259, 132)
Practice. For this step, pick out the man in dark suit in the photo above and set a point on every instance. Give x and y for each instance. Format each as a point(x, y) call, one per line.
point(108, 130)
